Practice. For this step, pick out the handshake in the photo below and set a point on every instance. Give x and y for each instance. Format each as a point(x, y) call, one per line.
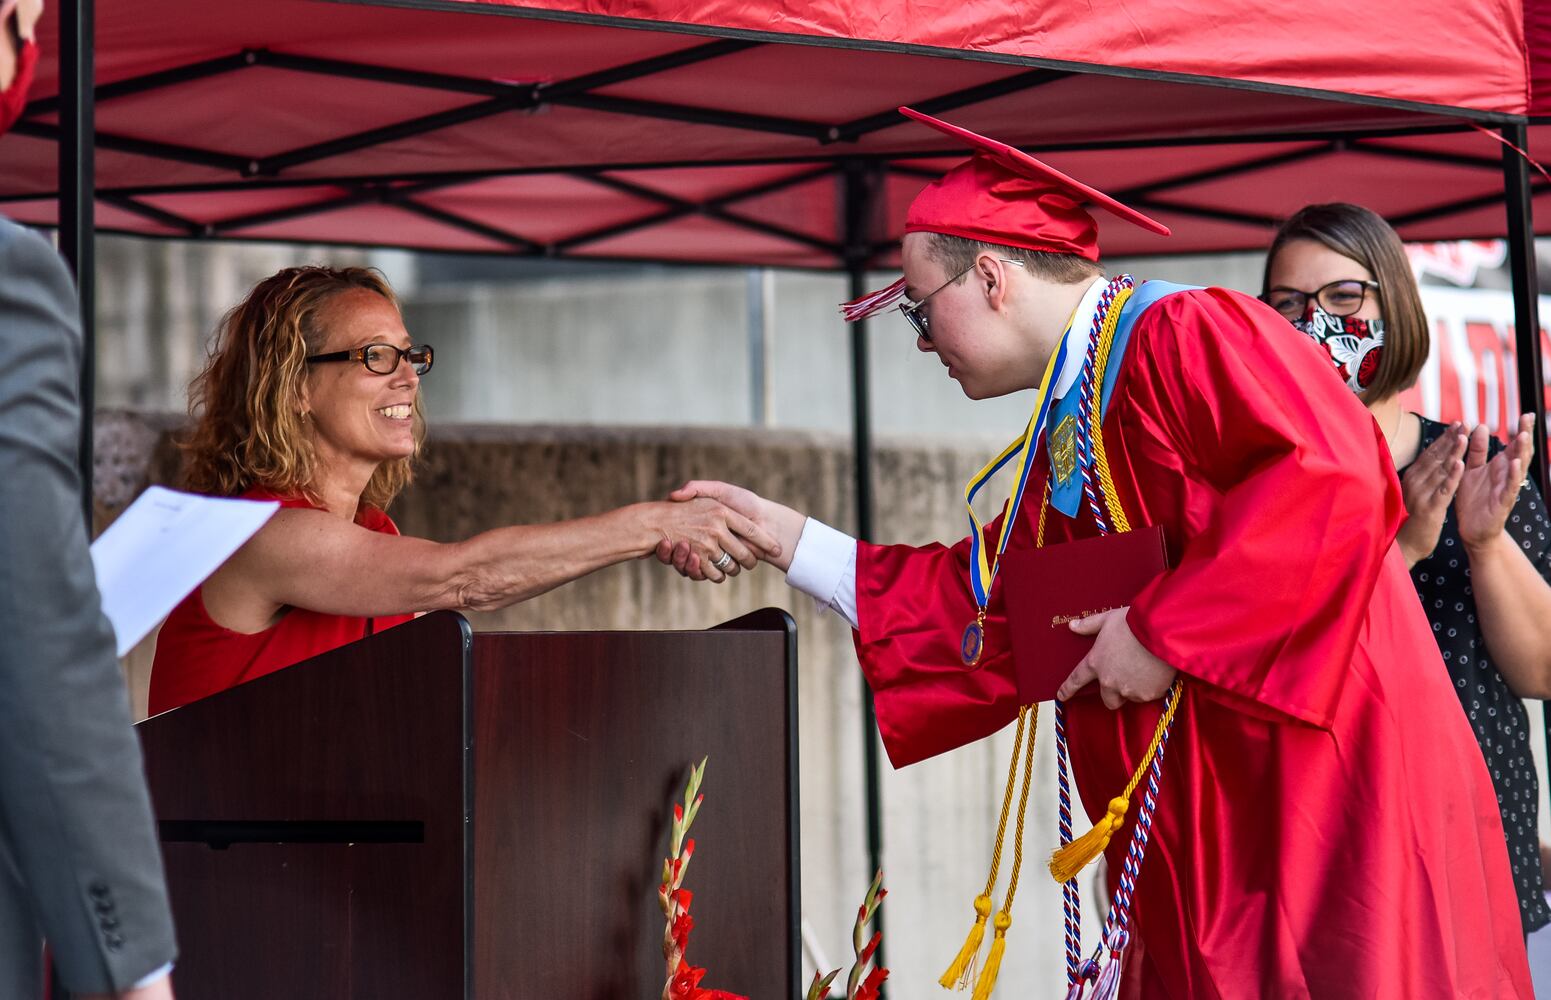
point(712, 531)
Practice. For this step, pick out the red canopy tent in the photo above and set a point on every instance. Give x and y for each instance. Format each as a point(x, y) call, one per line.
point(736, 132)
point(741, 133)
point(720, 132)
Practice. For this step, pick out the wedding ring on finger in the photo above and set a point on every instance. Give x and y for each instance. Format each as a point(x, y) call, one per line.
point(724, 563)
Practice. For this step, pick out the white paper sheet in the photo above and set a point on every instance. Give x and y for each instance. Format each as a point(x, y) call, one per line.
point(161, 548)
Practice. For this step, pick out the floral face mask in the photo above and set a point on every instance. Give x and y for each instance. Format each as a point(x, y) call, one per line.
point(1355, 345)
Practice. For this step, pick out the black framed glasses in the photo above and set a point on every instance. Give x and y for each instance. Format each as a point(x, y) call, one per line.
point(920, 320)
point(382, 359)
point(1339, 298)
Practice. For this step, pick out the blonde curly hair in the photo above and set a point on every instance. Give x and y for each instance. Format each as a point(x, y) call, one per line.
point(249, 428)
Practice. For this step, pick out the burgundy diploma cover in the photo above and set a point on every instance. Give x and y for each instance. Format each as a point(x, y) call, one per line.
point(1044, 589)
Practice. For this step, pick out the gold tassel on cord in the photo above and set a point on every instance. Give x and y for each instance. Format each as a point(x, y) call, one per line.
point(959, 971)
point(993, 967)
point(987, 981)
point(1069, 859)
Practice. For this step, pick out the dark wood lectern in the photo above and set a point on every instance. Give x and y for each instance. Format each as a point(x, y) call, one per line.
point(430, 813)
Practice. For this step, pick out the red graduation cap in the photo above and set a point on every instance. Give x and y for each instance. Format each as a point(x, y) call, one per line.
point(1003, 195)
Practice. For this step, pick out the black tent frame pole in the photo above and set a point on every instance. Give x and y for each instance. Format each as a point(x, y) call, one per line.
point(862, 185)
point(77, 217)
point(1526, 293)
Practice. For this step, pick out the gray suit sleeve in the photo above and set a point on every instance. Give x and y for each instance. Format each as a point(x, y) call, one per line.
point(75, 819)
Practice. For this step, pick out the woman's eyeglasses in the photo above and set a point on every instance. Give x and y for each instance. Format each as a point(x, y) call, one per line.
point(382, 359)
point(1339, 298)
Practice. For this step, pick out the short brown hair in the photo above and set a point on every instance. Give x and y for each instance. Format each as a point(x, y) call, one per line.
point(1361, 234)
point(247, 403)
point(956, 254)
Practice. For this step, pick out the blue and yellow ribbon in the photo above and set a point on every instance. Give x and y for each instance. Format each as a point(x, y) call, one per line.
point(982, 568)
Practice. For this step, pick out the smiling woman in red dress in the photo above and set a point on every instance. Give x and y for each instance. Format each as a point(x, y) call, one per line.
point(311, 398)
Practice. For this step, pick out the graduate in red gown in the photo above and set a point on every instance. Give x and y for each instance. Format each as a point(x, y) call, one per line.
point(1325, 826)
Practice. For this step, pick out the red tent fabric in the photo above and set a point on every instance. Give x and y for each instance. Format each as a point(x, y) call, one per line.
point(725, 133)
point(1468, 55)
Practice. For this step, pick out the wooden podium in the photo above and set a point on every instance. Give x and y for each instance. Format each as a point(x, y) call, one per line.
point(430, 813)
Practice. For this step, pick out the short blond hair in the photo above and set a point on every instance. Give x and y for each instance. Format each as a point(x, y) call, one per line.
point(955, 254)
point(247, 404)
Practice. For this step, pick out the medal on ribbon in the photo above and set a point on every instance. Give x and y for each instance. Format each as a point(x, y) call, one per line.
point(1020, 453)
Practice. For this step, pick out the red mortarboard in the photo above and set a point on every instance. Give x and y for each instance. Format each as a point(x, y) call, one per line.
point(1003, 195)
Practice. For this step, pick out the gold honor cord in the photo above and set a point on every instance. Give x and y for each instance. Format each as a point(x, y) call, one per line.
point(1069, 859)
point(961, 971)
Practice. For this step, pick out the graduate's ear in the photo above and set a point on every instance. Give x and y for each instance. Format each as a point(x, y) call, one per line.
point(991, 273)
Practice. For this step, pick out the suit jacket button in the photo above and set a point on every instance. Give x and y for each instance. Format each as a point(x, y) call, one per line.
point(114, 942)
point(109, 923)
point(99, 889)
point(104, 906)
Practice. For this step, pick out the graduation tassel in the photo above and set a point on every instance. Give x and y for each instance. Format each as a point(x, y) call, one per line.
point(1088, 971)
point(873, 302)
point(960, 970)
point(1107, 986)
point(987, 981)
point(1069, 859)
point(962, 966)
point(993, 967)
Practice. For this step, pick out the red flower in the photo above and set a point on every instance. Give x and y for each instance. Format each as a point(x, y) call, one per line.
point(682, 925)
point(872, 984)
point(686, 982)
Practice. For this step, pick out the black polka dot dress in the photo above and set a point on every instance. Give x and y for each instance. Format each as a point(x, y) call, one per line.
point(1496, 714)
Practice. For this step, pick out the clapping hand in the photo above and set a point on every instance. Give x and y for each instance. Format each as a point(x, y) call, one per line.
point(1488, 488)
point(1428, 486)
point(26, 13)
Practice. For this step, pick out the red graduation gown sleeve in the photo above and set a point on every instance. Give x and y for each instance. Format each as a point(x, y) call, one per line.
point(913, 605)
point(1262, 600)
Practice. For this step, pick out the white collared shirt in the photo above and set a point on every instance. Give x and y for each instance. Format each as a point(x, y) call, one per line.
point(824, 562)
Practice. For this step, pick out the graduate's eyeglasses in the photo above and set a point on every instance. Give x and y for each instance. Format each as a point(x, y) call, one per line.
point(1339, 298)
point(920, 320)
point(382, 359)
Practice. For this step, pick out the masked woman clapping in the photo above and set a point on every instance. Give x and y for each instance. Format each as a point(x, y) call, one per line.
point(1477, 537)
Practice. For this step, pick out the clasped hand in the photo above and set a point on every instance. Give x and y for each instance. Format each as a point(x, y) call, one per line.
point(781, 525)
point(1124, 668)
point(715, 539)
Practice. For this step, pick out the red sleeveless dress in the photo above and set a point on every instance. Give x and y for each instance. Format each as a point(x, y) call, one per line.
point(196, 657)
